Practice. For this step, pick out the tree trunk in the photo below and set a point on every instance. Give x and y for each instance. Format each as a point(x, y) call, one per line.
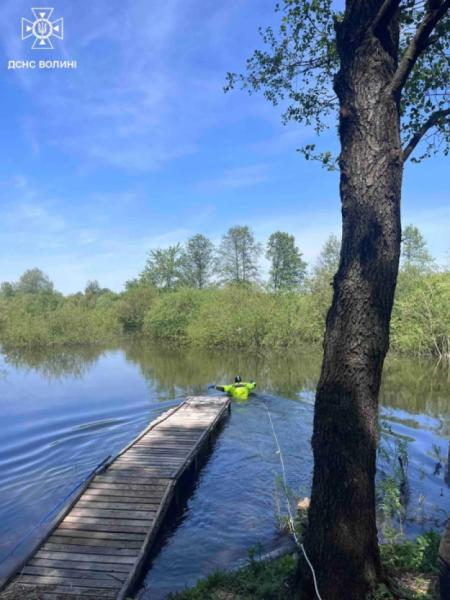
point(341, 539)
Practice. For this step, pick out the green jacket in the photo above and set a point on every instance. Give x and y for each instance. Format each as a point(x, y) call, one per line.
point(238, 391)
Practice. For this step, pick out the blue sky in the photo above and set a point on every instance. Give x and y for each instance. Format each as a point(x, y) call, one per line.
point(140, 148)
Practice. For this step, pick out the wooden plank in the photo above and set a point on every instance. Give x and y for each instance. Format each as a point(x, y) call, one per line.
point(80, 566)
point(149, 463)
point(85, 520)
point(62, 592)
point(117, 477)
point(124, 480)
point(172, 427)
point(71, 581)
point(156, 439)
point(134, 470)
point(151, 455)
point(167, 445)
point(87, 549)
point(73, 556)
point(135, 475)
point(106, 502)
point(101, 535)
point(177, 434)
point(154, 453)
point(112, 543)
point(58, 572)
point(113, 514)
point(142, 460)
point(110, 494)
point(96, 525)
point(142, 489)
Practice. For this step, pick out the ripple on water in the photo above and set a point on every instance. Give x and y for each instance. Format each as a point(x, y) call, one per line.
point(57, 430)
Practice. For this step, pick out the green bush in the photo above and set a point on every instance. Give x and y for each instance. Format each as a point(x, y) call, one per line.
point(421, 316)
point(234, 316)
point(133, 305)
point(29, 322)
point(418, 556)
point(171, 313)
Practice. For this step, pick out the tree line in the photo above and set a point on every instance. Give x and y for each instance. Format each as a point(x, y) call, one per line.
point(192, 296)
point(199, 263)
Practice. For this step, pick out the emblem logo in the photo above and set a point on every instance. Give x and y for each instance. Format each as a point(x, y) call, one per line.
point(42, 28)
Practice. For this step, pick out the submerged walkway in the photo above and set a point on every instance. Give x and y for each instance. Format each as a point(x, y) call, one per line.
point(99, 545)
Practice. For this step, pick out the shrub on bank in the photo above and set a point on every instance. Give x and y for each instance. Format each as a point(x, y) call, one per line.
point(171, 313)
point(133, 305)
point(421, 316)
point(60, 323)
point(234, 316)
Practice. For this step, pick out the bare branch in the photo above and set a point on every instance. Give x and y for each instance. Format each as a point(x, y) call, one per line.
point(386, 12)
point(436, 10)
point(432, 120)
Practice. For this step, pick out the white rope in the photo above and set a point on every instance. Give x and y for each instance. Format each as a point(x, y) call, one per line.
point(286, 491)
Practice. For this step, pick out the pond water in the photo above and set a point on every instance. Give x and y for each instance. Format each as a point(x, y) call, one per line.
point(63, 412)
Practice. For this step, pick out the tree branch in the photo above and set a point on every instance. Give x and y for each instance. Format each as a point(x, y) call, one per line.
point(432, 120)
point(386, 12)
point(436, 10)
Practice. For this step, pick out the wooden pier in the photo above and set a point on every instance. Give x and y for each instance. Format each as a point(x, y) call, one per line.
point(99, 544)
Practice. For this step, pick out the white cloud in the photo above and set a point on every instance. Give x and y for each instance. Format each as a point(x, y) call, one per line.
point(39, 217)
point(236, 178)
point(135, 101)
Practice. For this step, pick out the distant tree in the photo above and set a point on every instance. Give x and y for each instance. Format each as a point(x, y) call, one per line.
point(93, 288)
point(198, 261)
point(414, 250)
point(164, 268)
point(34, 281)
point(7, 289)
point(287, 271)
point(323, 272)
point(238, 255)
point(327, 263)
point(132, 283)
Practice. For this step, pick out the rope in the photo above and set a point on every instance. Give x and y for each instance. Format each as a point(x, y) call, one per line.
point(286, 491)
point(52, 511)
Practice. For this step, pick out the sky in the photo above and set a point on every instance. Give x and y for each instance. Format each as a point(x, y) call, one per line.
point(140, 148)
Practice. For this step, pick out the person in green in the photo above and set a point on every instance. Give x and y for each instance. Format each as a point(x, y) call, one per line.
point(238, 390)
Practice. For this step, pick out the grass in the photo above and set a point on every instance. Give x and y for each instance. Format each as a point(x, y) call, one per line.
point(411, 567)
point(258, 581)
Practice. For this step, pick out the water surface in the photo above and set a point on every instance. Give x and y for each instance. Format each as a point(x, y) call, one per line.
point(66, 411)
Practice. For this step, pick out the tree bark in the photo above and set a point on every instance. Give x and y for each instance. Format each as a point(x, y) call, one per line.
point(341, 538)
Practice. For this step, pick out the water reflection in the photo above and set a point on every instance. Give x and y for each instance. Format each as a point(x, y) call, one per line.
point(173, 369)
point(64, 410)
point(412, 385)
point(54, 363)
point(416, 386)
